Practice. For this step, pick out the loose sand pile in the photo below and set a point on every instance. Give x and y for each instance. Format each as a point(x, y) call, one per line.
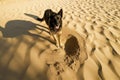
point(91, 40)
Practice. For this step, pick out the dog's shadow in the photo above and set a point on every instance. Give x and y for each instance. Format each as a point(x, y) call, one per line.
point(16, 28)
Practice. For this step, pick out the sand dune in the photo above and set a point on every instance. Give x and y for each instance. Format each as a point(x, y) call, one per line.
point(91, 40)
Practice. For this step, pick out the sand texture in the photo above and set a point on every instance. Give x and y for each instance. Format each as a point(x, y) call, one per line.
point(91, 40)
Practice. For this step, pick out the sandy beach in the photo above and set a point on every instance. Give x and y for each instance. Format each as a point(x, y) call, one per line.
point(91, 40)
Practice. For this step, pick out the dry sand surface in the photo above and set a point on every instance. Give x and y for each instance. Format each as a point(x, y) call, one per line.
point(91, 40)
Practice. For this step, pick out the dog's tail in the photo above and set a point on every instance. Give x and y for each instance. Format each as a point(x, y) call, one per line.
point(40, 19)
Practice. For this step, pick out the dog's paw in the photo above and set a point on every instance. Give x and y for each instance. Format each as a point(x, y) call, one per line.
point(59, 46)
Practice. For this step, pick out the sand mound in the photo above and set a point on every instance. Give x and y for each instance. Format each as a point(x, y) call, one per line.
point(68, 60)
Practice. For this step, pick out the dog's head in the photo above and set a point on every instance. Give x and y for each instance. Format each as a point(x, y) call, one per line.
point(56, 20)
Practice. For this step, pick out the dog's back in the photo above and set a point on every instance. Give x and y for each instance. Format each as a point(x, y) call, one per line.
point(46, 16)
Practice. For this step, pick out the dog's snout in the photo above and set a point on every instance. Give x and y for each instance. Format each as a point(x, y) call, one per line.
point(56, 24)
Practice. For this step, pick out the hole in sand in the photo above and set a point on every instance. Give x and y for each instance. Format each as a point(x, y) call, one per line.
point(72, 46)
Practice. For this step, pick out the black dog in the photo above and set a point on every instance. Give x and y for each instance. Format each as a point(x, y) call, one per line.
point(54, 22)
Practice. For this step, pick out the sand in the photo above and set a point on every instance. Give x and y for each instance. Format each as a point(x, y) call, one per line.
point(91, 40)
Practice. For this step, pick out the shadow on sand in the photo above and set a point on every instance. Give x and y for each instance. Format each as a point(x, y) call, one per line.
point(31, 15)
point(16, 28)
point(13, 29)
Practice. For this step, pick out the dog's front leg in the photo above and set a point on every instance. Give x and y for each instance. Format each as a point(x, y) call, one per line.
point(55, 39)
point(59, 41)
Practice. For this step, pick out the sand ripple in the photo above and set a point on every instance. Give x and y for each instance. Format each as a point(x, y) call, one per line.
point(27, 51)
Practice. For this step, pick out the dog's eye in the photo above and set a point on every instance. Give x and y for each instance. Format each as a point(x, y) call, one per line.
point(58, 17)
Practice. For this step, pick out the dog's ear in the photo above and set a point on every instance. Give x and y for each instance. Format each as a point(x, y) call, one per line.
point(60, 12)
point(49, 12)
